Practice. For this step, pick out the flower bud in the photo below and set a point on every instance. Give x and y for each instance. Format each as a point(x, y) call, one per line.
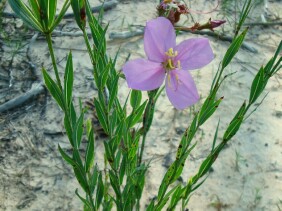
point(172, 9)
point(216, 23)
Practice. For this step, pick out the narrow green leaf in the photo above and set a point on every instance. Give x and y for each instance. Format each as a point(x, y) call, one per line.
point(93, 179)
point(109, 152)
point(61, 14)
point(79, 171)
point(244, 14)
point(99, 191)
point(133, 148)
point(89, 154)
point(180, 164)
point(68, 128)
point(113, 93)
point(115, 184)
point(68, 82)
point(85, 202)
point(26, 14)
point(176, 196)
point(72, 115)
point(53, 89)
point(101, 116)
point(135, 98)
point(52, 6)
point(34, 8)
point(66, 157)
point(113, 121)
point(104, 76)
point(122, 169)
point(235, 124)
point(136, 115)
point(78, 7)
point(205, 115)
point(233, 49)
point(96, 29)
point(257, 86)
point(44, 19)
point(165, 199)
point(215, 136)
point(78, 131)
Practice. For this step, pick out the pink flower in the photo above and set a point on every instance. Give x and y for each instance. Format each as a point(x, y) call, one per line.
point(170, 61)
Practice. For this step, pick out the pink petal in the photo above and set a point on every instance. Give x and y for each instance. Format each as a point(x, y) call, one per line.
point(181, 89)
point(159, 36)
point(142, 74)
point(194, 53)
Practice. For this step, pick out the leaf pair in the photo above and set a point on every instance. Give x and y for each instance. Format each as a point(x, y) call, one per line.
point(39, 14)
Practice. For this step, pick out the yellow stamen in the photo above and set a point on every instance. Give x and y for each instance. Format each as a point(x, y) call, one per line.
point(178, 65)
point(168, 79)
point(170, 64)
point(171, 53)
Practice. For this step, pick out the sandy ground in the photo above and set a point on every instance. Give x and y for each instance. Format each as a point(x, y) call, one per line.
point(246, 176)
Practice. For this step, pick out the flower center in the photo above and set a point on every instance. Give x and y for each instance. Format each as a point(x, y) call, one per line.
point(169, 63)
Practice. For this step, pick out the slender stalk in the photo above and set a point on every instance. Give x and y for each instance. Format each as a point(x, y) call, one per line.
point(142, 149)
point(91, 201)
point(91, 55)
point(50, 46)
point(88, 47)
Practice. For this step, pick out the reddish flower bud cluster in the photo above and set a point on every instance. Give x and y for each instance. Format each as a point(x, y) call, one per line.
point(172, 9)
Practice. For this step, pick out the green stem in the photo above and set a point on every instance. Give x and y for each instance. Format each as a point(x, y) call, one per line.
point(91, 202)
point(91, 55)
point(50, 46)
point(142, 149)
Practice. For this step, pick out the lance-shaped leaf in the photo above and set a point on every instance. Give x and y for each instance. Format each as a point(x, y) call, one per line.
point(78, 131)
point(115, 183)
point(78, 7)
point(54, 89)
point(26, 14)
point(69, 129)
point(66, 156)
point(176, 196)
point(209, 110)
point(187, 138)
point(109, 152)
point(85, 202)
point(135, 98)
point(99, 191)
point(60, 15)
point(165, 199)
point(68, 82)
point(181, 163)
point(133, 148)
point(51, 6)
point(93, 179)
point(101, 116)
point(96, 29)
point(89, 154)
point(104, 76)
point(79, 171)
point(136, 115)
point(113, 92)
point(40, 14)
point(257, 86)
point(235, 123)
point(233, 49)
